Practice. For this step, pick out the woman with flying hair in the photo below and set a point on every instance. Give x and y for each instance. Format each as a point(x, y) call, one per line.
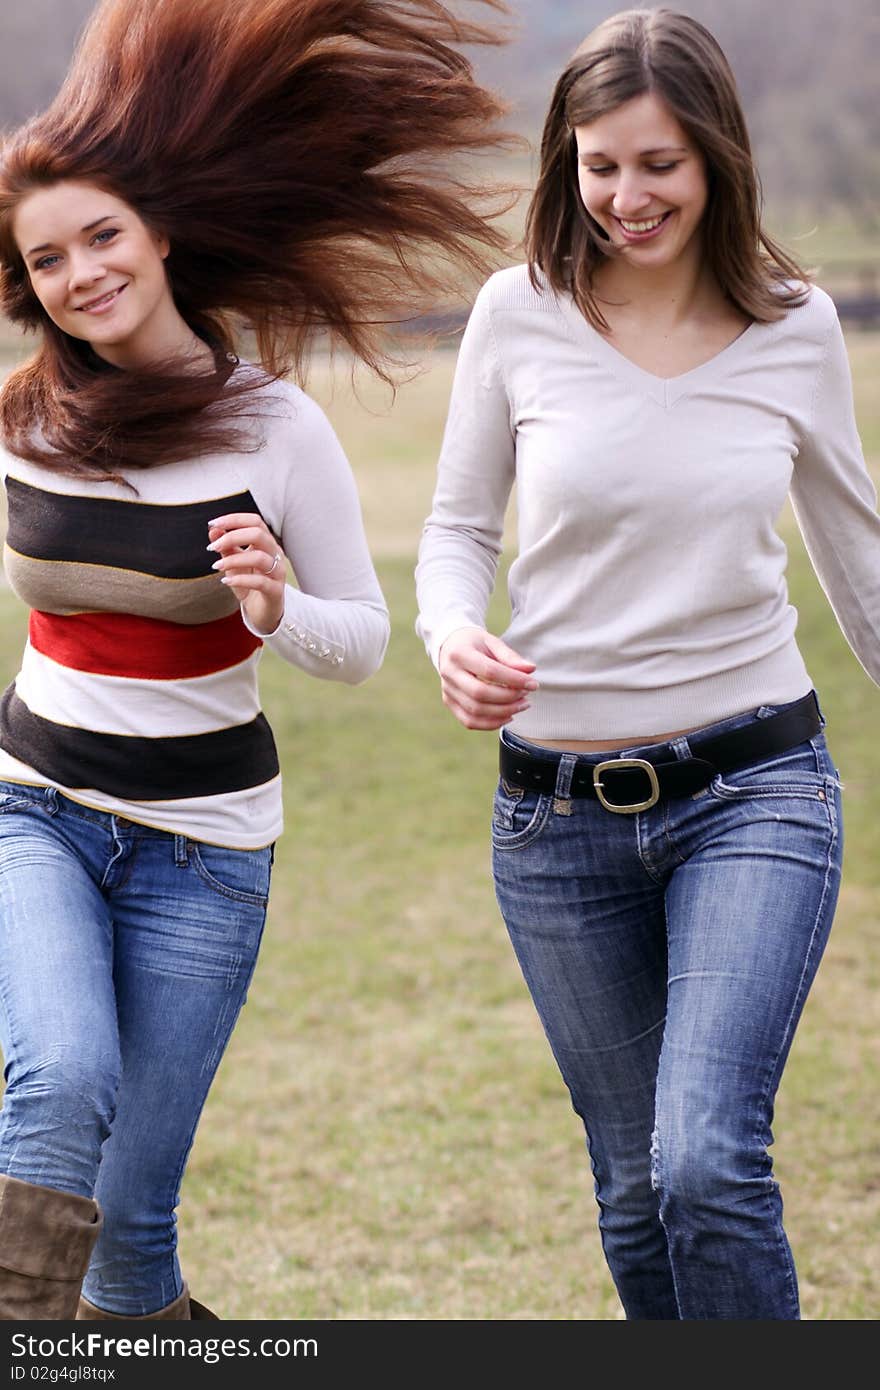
point(667, 825)
point(284, 167)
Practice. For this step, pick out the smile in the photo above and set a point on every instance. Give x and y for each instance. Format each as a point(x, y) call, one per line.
point(96, 306)
point(645, 227)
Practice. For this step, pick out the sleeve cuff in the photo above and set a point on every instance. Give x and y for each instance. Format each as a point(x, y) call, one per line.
point(291, 629)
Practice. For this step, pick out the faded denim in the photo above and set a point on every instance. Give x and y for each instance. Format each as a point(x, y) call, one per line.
point(125, 956)
point(669, 954)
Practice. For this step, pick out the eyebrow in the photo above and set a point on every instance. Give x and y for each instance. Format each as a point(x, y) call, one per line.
point(661, 149)
point(89, 227)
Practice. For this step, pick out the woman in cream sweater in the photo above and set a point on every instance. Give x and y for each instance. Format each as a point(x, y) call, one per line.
point(667, 824)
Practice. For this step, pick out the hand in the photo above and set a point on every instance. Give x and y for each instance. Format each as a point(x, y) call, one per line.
point(484, 682)
point(253, 564)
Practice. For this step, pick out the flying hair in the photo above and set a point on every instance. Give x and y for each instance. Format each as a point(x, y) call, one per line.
point(307, 161)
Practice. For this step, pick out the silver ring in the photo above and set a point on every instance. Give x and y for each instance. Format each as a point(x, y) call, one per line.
point(274, 563)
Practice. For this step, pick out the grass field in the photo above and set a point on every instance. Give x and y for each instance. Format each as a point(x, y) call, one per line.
point(388, 1137)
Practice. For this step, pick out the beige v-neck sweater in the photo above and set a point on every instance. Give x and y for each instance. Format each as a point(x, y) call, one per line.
point(649, 584)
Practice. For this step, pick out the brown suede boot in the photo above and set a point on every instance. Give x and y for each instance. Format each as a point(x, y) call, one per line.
point(183, 1309)
point(198, 1310)
point(46, 1241)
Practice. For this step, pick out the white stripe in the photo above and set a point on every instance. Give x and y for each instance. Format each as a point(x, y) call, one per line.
point(144, 708)
point(189, 482)
point(247, 819)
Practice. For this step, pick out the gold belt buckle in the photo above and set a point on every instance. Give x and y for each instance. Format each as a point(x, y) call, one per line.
point(630, 809)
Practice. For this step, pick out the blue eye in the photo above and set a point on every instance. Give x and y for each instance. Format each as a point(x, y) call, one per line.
point(45, 262)
point(105, 235)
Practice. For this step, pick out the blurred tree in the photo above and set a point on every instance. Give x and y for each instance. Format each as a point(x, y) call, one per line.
point(808, 77)
point(807, 71)
point(36, 41)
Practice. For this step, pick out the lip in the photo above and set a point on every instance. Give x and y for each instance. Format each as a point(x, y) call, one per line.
point(102, 304)
point(636, 238)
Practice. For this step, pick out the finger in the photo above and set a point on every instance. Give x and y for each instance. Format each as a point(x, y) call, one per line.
point(258, 562)
point(477, 721)
point(479, 692)
point(506, 655)
point(473, 662)
point(480, 708)
point(493, 673)
point(242, 536)
point(488, 658)
point(232, 520)
point(261, 581)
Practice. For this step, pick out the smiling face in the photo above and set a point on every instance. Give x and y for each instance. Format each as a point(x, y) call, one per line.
point(98, 271)
point(643, 180)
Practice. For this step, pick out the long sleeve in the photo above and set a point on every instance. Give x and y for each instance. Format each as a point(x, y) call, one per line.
point(835, 503)
point(139, 687)
point(461, 542)
point(648, 585)
point(335, 624)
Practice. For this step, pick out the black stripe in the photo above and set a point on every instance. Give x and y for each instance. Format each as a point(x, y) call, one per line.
point(139, 769)
point(163, 540)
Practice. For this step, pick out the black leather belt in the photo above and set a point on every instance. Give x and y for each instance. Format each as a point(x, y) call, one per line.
point(628, 785)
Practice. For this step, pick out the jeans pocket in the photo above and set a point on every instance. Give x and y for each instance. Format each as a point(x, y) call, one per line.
point(13, 798)
point(518, 815)
point(805, 770)
point(241, 874)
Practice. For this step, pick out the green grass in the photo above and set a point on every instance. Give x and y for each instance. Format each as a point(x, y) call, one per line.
point(388, 1136)
point(413, 1153)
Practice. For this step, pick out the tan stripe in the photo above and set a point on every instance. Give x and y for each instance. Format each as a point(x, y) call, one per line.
point(63, 586)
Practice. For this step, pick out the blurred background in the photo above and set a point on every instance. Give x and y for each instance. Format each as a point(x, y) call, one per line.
point(388, 1136)
point(807, 72)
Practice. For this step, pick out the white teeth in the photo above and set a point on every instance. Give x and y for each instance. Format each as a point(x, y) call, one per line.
point(96, 303)
point(642, 226)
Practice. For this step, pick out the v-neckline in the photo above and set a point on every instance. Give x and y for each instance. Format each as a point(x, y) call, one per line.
point(665, 390)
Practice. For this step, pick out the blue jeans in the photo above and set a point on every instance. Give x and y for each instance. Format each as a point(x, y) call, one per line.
point(669, 954)
point(125, 956)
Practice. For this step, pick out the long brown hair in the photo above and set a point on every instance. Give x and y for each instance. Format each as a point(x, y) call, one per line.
point(660, 51)
point(301, 158)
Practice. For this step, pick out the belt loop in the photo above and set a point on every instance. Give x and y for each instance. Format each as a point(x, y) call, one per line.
point(181, 851)
point(681, 748)
point(51, 801)
point(564, 775)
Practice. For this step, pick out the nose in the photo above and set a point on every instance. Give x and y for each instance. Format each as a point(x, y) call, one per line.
point(83, 271)
point(630, 195)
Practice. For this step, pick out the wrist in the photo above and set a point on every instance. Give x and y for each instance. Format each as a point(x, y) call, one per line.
point(263, 624)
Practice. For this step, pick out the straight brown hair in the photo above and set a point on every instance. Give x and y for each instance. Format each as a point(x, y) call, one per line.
point(301, 156)
point(676, 57)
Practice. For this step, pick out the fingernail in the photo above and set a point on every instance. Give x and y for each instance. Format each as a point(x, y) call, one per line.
point(215, 522)
point(212, 546)
point(530, 685)
point(216, 565)
point(225, 579)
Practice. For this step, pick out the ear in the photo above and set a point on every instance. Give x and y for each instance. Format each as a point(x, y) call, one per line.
point(162, 243)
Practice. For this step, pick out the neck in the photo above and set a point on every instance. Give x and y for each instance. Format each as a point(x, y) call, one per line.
point(166, 339)
point(670, 295)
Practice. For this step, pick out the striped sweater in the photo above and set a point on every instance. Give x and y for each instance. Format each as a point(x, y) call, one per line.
point(138, 689)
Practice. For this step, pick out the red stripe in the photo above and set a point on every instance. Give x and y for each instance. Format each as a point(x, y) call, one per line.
point(120, 644)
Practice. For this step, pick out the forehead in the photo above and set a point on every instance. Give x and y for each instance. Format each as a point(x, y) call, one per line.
point(643, 123)
point(58, 213)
